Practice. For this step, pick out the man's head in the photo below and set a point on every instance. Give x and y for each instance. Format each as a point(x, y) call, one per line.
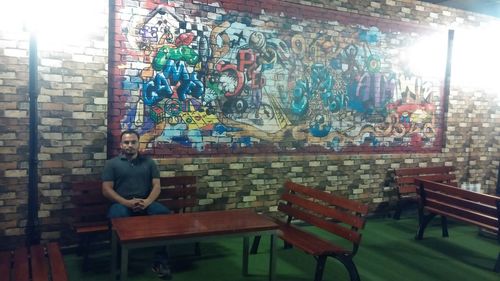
point(129, 143)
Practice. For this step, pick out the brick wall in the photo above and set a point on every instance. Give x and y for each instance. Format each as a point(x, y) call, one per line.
point(73, 111)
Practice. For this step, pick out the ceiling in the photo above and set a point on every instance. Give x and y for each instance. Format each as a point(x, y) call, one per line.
point(488, 7)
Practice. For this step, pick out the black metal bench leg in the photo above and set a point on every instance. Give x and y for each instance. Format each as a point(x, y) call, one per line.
point(444, 226)
point(350, 266)
point(422, 225)
point(255, 245)
point(320, 267)
point(85, 243)
point(497, 264)
point(197, 250)
point(397, 213)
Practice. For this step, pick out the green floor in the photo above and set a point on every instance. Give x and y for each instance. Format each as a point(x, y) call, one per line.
point(388, 252)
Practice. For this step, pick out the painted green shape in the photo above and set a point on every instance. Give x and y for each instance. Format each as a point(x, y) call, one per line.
point(166, 53)
point(161, 58)
point(189, 55)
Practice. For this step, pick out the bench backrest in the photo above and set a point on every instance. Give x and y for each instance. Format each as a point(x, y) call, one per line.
point(405, 177)
point(464, 205)
point(179, 193)
point(90, 204)
point(338, 215)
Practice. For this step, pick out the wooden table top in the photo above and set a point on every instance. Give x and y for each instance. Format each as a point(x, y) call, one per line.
point(189, 225)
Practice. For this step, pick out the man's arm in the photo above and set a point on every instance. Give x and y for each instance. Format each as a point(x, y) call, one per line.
point(110, 193)
point(155, 192)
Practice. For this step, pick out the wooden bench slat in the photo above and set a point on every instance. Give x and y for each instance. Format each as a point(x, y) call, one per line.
point(5, 264)
point(91, 228)
point(56, 261)
point(179, 203)
point(178, 192)
point(178, 180)
point(39, 266)
point(462, 218)
point(330, 198)
point(90, 199)
point(83, 212)
point(21, 265)
point(332, 227)
point(472, 206)
point(469, 215)
point(445, 178)
point(424, 170)
point(85, 185)
point(326, 211)
point(309, 243)
point(454, 191)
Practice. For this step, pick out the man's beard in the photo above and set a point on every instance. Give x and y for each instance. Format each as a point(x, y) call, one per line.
point(129, 152)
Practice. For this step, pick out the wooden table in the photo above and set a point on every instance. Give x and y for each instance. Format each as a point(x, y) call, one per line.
point(149, 231)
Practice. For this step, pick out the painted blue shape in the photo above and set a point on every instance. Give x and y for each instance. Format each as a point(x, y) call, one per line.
point(220, 129)
point(182, 140)
point(336, 64)
point(130, 85)
point(246, 141)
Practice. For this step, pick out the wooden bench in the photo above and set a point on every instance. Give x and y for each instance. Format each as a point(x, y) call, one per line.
point(338, 216)
point(36, 263)
point(179, 194)
point(448, 201)
point(405, 183)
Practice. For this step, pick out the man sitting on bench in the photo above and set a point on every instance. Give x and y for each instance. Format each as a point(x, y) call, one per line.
point(132, 182)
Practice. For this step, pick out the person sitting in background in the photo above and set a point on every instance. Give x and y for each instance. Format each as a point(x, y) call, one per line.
point(132, 182)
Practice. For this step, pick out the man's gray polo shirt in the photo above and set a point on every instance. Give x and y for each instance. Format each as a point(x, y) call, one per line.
point(131, 179)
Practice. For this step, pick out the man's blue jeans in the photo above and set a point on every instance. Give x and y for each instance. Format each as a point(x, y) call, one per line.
point(120, 211)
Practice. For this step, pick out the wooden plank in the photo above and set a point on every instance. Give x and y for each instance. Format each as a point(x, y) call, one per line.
point(332, 227)
point(325, 211)
point(21, 271)
point(5, 265)
point(82, 212)
point(178, 192)
point(458, 192)
point(177, 204)
point(472, 217)
point(86, 185)
point(57, 267)
point(310, 243)
point(39, 265)
point(463, 219)
point(177, 180)
point(424, 170)
point(473, 206)
point(327, 197)
point(437, 178)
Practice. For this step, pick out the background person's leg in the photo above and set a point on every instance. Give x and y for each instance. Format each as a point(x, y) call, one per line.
point(160, 262)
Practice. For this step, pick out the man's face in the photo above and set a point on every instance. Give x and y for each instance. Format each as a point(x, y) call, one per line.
point(129, 144)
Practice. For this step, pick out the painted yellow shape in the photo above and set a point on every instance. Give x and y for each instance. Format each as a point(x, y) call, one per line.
point(198, 120)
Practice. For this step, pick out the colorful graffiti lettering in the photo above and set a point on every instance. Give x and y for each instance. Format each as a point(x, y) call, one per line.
point(224, 83)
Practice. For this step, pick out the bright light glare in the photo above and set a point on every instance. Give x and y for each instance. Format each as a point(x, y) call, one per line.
point(427, 58)
point(56, 22)
point(476, 58)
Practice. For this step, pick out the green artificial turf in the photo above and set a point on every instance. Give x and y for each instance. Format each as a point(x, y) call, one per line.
point(388, 252)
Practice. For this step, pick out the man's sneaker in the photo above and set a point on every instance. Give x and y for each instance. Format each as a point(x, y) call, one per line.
point(160, 267)
point(163, 271)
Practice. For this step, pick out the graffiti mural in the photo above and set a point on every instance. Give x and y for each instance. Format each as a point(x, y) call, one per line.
point(193, 85)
